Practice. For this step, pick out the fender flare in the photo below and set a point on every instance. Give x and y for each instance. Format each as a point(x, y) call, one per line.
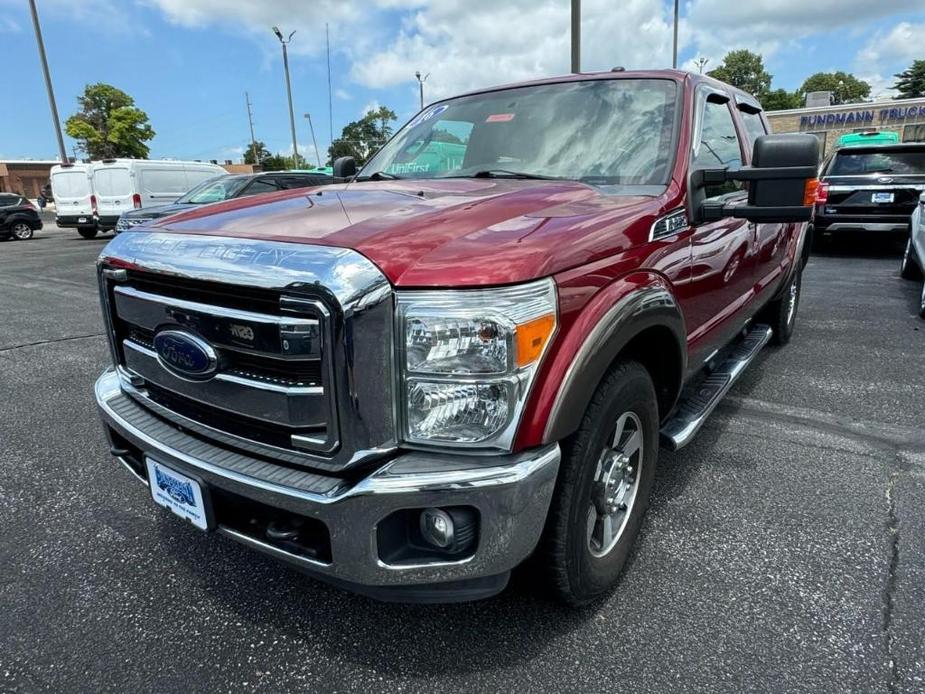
point(651, 305)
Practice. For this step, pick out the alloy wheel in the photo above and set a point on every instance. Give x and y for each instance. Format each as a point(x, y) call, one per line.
point(22, 231)
point(615, 485)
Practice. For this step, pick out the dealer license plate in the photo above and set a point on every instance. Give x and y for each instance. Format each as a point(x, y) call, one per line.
point(881, 197)
point(81, 220)
point(178, 493)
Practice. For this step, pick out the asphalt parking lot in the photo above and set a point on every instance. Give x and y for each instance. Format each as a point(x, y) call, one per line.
point(784, 549)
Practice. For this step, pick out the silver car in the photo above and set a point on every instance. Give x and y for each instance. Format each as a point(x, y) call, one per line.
point(913, 267)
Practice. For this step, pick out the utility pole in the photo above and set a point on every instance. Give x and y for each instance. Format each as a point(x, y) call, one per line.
point(576, 35)
point(421, 81)
point(250, 120)
point(284, 43)
point(674, 51)
point(327, 43)
point(314, 141)
point(51, 92)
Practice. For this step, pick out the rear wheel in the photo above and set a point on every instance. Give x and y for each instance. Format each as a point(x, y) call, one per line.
point(21, 231)
point(910, 268)
point(781, 314)
point(87, 232)
point(602, 492)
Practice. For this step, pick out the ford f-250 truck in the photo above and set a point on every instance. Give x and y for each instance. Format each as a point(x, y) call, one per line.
point(410, 382)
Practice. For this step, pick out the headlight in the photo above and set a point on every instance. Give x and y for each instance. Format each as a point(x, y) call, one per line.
point(468, 359)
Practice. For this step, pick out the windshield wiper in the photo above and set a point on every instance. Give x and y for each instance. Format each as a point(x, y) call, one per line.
point(379, 176)
point(505, 173)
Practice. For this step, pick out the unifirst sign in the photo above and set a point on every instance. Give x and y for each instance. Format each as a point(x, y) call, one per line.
point(878, 116)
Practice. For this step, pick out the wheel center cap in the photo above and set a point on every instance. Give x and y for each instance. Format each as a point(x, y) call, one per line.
point(615, 480)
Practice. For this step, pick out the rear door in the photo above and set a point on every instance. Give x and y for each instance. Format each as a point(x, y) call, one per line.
point(113, 187)
point(717, 299)
point(71, 190)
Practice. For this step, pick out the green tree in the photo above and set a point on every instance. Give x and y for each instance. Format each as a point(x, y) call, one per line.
point(780, 99)
point(745, 70)
point(256, 153)
point(846, 89)
point(109, 124)
point(360, 139)
point(279, 162)
point(910, 82)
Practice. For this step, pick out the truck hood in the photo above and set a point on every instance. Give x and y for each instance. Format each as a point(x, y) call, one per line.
point(458, 232)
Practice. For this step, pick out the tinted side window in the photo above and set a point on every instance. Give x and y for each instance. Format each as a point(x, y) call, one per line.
point(754, 126)
point(8, 200)
point(261, 185)
point(289, 182)
point(718, 147)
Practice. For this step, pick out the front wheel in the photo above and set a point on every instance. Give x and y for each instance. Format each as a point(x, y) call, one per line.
point(910, 269)
point(21, 231)
point(602, 492)
point(87, 232)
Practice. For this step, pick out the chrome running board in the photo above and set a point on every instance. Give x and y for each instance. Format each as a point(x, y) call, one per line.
point(699, 399)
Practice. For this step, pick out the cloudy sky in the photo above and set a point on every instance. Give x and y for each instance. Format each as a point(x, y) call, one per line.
point(189, 62)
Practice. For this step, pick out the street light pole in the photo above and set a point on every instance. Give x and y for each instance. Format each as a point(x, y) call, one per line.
point(51, 92)
point(284, 43)
point(674, 52)
point(576, 35)
point(421, 81)
point(314, 141)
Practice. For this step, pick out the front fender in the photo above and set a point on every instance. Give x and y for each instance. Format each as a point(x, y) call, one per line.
point(604, 327)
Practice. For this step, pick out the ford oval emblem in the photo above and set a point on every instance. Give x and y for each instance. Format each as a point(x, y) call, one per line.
point(185, 355)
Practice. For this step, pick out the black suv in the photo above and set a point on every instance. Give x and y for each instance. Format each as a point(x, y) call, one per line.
point(224, 188)
point(19, 219)
point(870, 189)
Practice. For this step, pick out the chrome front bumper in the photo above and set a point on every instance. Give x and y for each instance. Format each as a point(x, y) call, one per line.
point(511, 493)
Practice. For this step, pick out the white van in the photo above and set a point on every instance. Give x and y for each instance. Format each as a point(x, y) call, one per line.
point(73, 195)
point(120, 185)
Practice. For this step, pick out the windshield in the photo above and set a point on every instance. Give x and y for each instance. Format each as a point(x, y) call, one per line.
point(214, 190)
point(850, 163)
point(602, 132)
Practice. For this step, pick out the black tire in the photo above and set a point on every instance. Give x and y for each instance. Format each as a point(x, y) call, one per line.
point(21, 231)
point(87, 232)
point(781, 314)
point(910, 269)
point(576, 575)
point(922, 303)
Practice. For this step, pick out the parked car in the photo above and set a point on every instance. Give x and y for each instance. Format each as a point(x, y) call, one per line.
point(870, 190)
point(408, 383)
point(224, 188)
point(125, 184)
point(913, 263)
point(19, 218)
point(73, 194)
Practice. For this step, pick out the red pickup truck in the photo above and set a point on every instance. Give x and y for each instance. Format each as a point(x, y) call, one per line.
point(469, 352)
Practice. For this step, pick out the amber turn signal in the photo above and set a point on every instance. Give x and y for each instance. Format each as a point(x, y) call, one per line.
point(809, 192)
point(532, 338)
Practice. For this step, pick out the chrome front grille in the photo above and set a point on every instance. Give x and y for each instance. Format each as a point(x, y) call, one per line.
point(304, 366)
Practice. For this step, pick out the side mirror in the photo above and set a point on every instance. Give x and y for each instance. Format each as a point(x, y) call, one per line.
point(781, 182)
point(346, 168)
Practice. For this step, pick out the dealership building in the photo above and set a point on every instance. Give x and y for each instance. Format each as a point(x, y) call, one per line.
point(828, 123)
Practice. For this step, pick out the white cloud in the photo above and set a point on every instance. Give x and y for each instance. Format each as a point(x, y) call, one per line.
point(373, 105)
point(481, 42)
point(9, 26)
point(342, 94)
point(886, 53)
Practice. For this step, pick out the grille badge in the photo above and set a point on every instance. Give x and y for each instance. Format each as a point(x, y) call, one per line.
point(185, 355)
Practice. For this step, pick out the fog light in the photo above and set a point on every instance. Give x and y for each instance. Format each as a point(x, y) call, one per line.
point(437, 527)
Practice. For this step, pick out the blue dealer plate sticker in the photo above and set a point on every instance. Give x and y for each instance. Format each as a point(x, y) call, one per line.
point(179, 493)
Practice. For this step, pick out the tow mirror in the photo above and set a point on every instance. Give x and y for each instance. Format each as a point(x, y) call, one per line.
point(781, 182)
point(344, 168)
